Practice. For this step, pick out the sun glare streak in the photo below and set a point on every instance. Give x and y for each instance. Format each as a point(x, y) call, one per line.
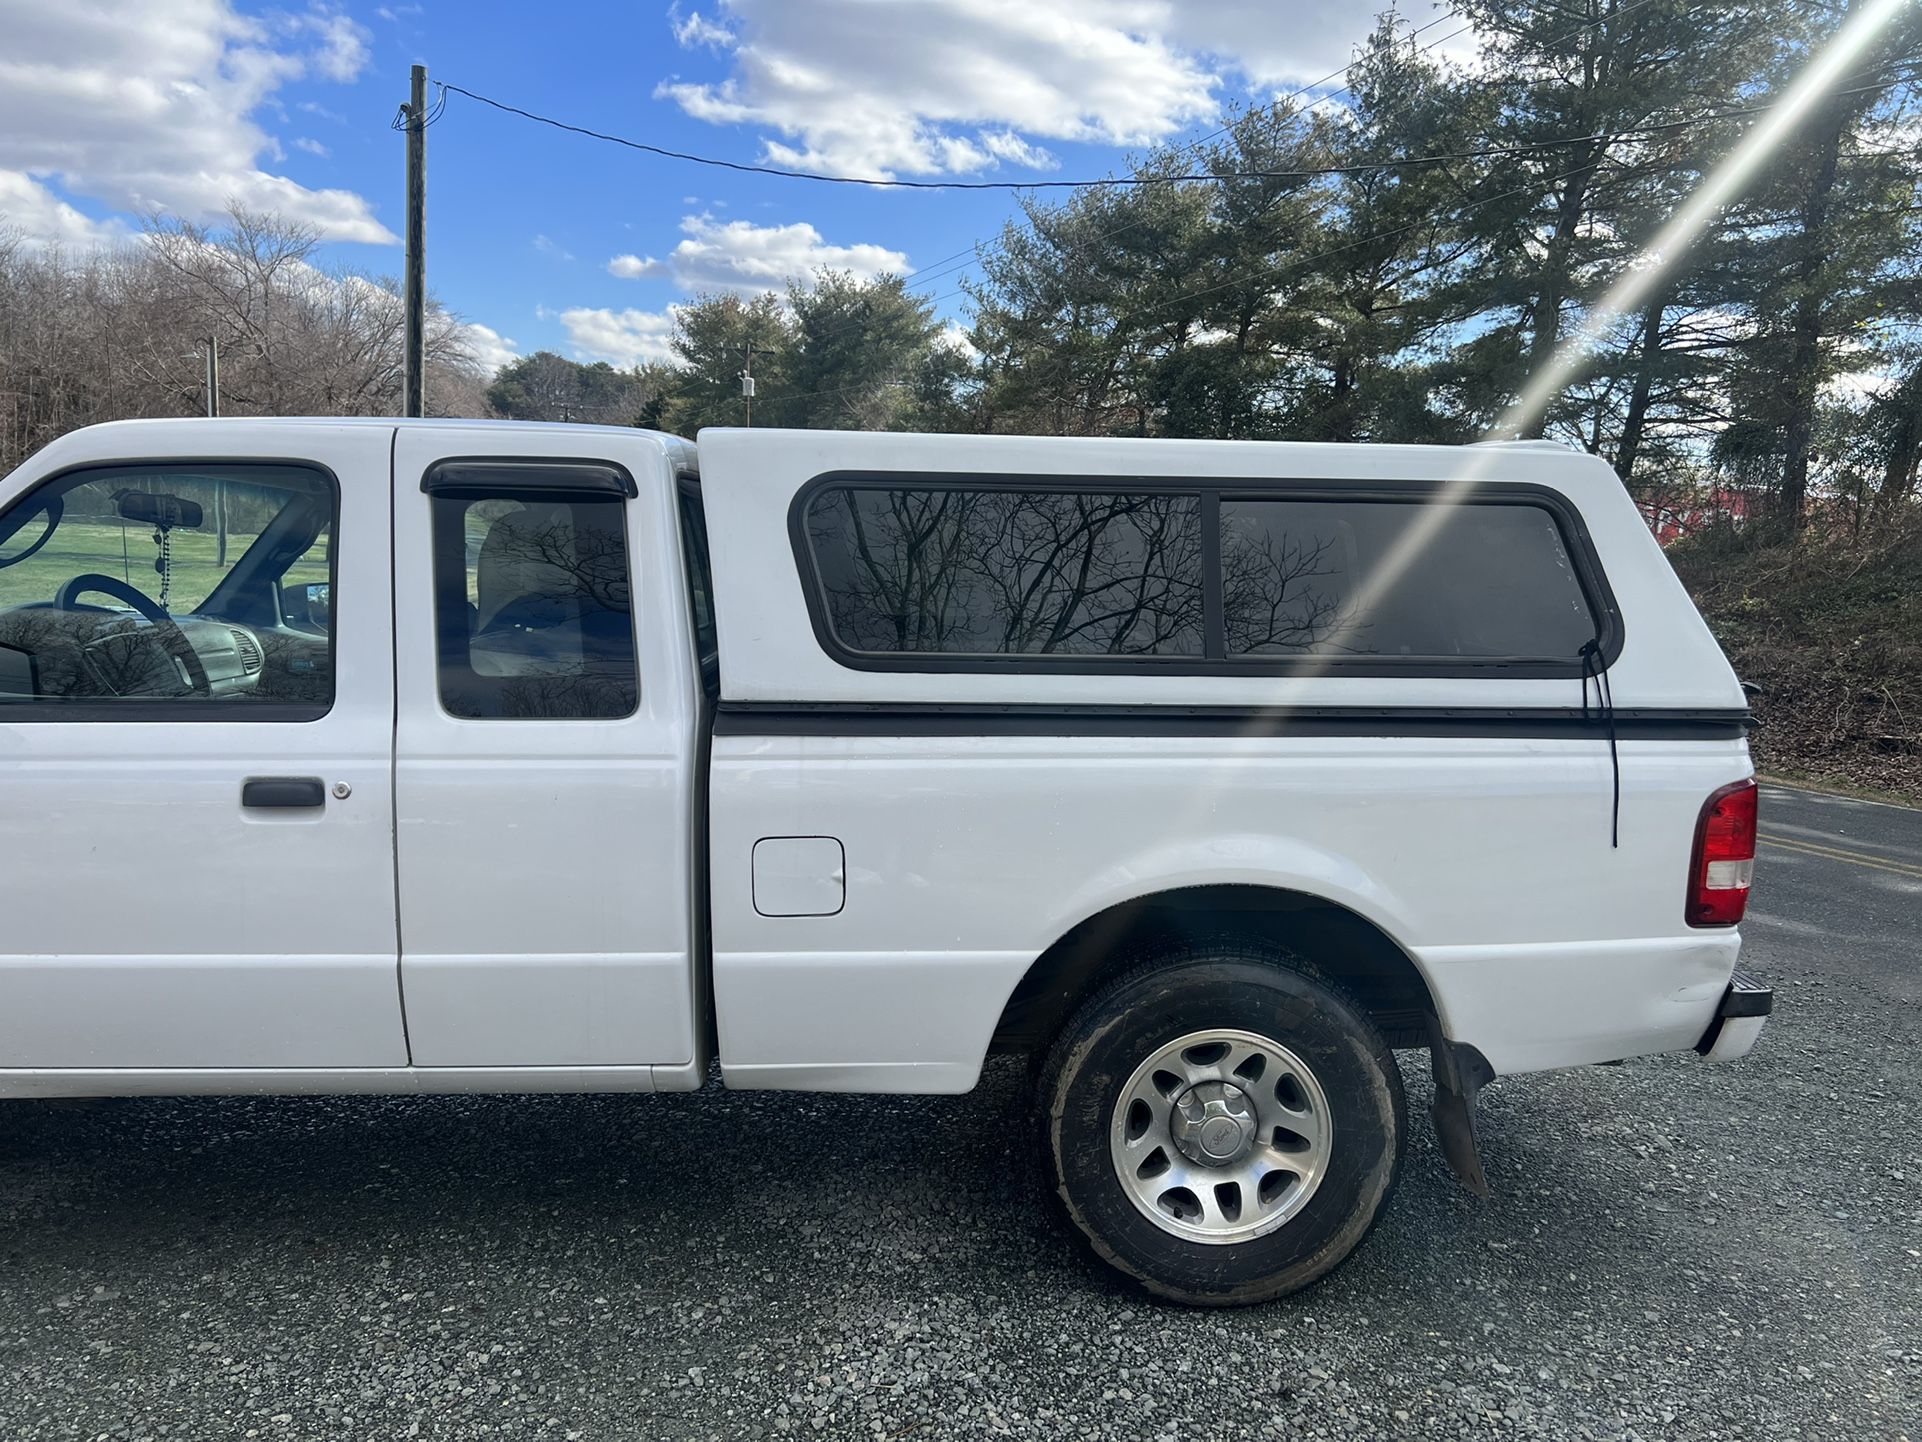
point(1718, 187)
point(1683, 228)
point(1681, 231)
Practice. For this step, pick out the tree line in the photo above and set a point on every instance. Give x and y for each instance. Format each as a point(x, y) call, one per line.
point(119, 332)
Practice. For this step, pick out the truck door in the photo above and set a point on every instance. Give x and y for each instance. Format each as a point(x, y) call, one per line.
point(196, 731)
point(545, 756)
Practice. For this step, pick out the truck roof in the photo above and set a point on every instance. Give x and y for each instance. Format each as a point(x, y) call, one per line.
point(1587, 469)
point(423, 423)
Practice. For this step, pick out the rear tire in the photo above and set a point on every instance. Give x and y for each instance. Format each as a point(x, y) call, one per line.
point(1222, 1124)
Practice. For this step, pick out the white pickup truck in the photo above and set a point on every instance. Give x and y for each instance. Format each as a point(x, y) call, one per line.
point(372, 756)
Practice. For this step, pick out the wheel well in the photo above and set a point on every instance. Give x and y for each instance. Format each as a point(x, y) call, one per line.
point(1347, 947)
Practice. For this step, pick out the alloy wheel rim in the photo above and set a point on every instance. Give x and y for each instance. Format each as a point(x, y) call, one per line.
point(1221, 1136)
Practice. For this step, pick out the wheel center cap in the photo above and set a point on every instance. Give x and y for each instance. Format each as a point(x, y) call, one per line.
point(1213, 1123)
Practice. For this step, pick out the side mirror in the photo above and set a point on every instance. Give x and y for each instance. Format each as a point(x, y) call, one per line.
point(309, 604)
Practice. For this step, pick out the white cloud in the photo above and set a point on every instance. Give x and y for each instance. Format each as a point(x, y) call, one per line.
point(340, 48)
point(1287, 46)
point(311, 146)
point(734, 255)
point(1006, 145)
point(490, 349)
point(623, 337)
point(632, 267)
point(695, 29)
point(884, 89)
point(1856, 389)
point(738, 255)
point(955, 337)
point(953, 86)
point(39, 216)
point(144, 106)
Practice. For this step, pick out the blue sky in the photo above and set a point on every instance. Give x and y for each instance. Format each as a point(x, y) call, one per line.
point(546, 240)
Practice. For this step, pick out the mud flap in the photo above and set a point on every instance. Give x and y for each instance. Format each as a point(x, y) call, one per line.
point(1460, 1073)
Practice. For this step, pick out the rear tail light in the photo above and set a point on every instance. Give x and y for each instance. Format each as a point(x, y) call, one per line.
point(1724, 859)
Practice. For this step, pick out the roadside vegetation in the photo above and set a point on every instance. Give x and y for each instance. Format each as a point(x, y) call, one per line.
point(1828, 633)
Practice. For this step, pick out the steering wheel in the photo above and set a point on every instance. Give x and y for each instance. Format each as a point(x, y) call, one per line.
point(53, 511)
point(166, 629)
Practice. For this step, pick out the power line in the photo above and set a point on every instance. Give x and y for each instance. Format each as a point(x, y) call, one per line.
point(1274, 106)
point(814, 175)
point(1280, 269)
point(1194, 146)
point(935, 269)
point(948, 264)
point(892, 183)
point(1275, 270)
point(1556, 143)
point(402, 118)
point(1311, 172)
point(1289, 99)
point(943, 266)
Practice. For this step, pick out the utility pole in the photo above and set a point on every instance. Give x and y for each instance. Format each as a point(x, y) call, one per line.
point(213, 375)
point(415, 285)
point(748, 351)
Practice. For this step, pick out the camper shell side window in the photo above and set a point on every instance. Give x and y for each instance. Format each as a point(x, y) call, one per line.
point(939, 573)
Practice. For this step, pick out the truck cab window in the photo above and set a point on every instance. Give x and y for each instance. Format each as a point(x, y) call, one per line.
point(206, 590)
point(532, 603)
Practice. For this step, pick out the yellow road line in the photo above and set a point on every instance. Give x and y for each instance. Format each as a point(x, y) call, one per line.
point(1836, 853)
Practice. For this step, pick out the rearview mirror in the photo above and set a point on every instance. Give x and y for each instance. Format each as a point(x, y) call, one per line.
point(158, 509)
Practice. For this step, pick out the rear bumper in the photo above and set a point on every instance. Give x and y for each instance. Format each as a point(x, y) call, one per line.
point(1738, 1020)
point(1532, 1006)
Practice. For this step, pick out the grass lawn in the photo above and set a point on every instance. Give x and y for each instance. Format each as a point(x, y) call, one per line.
point(79, 546)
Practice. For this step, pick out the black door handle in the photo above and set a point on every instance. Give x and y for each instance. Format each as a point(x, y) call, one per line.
point(283, 791)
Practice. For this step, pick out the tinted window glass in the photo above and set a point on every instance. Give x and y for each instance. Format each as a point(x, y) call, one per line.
point(700, 574)
point(1007, 572)
point(533, 605)
point(1398, 578)
point(208, 588)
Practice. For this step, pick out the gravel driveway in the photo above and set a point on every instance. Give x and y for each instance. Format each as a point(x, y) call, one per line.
point(1673, 1250)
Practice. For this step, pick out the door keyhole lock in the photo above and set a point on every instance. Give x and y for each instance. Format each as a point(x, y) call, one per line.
point(342, 791)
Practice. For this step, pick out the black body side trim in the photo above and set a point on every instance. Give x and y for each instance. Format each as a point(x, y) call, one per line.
point(856, 718)
point(42, 711)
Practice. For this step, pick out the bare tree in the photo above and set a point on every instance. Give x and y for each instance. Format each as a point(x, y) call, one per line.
point(121, 332)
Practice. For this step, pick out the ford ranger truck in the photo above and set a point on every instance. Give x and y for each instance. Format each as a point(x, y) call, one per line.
point(373, 756)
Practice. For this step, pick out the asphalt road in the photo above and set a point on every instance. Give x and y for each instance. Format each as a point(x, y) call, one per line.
point(1673, 1251)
